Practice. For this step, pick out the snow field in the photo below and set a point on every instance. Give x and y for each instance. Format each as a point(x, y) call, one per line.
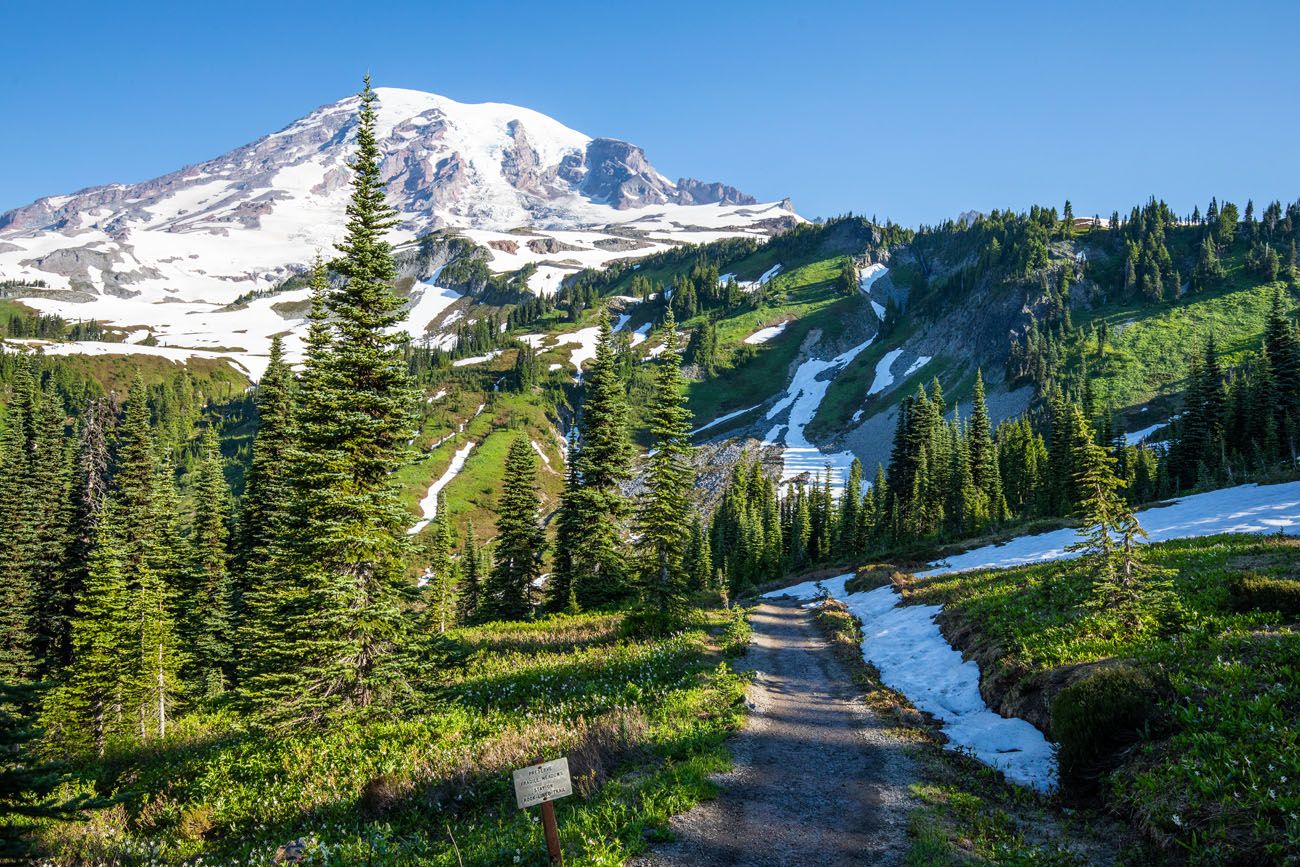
point(429, 505)
point(725, 418)
point(1243, 509)
point(884, 378)
point(763, 335)
point(806, 391)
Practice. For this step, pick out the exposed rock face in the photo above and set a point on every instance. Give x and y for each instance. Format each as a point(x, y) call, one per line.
point(701, 193)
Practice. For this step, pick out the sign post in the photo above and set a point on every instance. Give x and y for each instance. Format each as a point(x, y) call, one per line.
point(543, 784)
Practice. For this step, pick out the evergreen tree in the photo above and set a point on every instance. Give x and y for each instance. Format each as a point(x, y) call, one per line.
point(986, 477)
point(471, 581)
point(439, 577)
point(347, 540)
point(266, 488)
point(520, 541)
point(664, 505)
point(90, 490)
point(603, 462)
point(1109, 528)
point(847, 542)
point(210, 600)
point(569, 535)
point(17, 548)
point(274, 632)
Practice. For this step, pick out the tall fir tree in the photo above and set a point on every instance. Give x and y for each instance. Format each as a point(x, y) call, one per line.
point(440, 580)
point(354, 419)
point(470, 595)
point(603, 462)
point(520, 541)
point(662, 520)
point(210, 598)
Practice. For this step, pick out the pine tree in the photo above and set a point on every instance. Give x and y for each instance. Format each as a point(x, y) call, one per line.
point(90, 490)
point(663, 507)
point(470, 596)
point(569, 534)
point(347, 541)
point(603, 461)
point(210, 600)
point(124, 678)
point(17, 545)
point(985, 473)
point(266, 489)
point(440, 580)
point(273, 604)
point(49, 478)
point(1101, 508)
point(92, 706)
point(520, 541)
point(847, 544)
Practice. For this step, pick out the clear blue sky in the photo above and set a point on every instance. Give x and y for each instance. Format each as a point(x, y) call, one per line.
point(913, 110)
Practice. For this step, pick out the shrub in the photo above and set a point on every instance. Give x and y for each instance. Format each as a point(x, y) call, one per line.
point(1094, 718)
point(735, 640)
point(1258, 593)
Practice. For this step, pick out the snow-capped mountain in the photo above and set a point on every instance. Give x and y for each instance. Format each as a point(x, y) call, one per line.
point(217, 229)
point(516, 181)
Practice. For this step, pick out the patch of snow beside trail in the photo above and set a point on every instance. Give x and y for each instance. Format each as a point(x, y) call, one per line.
point(639, 335)
point(884, 379)
point(802, 398)
point(763, 335)
point(541, 454)
point(429, 505)
point(723, 418)
point(1243, 509)
point(905, 644)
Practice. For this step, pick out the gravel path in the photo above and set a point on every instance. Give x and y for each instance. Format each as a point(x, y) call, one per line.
point(818, 778)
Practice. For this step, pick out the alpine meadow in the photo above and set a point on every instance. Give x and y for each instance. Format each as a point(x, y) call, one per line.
point(350, 475)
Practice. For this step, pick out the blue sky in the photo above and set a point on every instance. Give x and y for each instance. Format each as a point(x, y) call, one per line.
point(912, 110)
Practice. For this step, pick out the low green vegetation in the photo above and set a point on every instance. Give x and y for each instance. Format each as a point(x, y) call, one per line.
point(1183, 714)
point(1146, 351)
point(746, 374)
point(642, 722)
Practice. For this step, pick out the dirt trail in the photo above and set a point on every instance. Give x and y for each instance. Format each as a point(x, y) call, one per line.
point(818, 778)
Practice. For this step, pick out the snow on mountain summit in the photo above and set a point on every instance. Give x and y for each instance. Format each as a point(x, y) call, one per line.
point(212, 232)
point(241, 221)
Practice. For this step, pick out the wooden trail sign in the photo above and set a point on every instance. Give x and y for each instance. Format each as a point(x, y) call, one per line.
point(543, 784)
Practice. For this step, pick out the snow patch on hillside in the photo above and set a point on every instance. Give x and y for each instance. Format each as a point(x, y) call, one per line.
point(805, 394)
point(1243, 509)
point(429, 505)
point(427, 304)
point(763, 335)
point(884, 378)
point(725, 418)
point(920, 362)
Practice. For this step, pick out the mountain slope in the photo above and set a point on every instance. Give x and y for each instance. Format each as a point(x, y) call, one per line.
point(522, 185)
